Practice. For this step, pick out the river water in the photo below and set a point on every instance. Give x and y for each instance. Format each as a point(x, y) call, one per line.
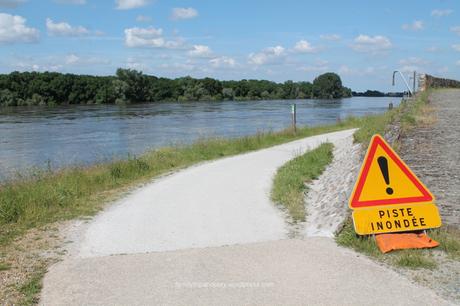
point(77, 135)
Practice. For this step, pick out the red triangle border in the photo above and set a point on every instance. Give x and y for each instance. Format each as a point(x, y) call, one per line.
point(377, 140)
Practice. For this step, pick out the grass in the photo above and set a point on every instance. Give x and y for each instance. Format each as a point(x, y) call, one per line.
point(362, 244)
point(44, 196)
point(289, 183)
point(449, 240)
point(31, 289)
point(411, 259)
point(414, 259)
point(4, 266)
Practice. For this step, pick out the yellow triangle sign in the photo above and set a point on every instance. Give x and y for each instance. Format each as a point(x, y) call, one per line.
point(385, 179)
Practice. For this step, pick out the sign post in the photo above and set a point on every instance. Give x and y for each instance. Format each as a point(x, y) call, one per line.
point(294, 117)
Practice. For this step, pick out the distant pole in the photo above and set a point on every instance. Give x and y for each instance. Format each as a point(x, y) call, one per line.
point(294, 117)
point(413, 90)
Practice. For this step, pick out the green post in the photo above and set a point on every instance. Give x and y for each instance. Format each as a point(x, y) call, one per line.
point(294, 117)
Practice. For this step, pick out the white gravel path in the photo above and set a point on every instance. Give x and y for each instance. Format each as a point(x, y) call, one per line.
point(191, 215)
point(217, 203)
point(283, 272)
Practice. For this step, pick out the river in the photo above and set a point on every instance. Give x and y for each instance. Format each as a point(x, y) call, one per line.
point(84, 134)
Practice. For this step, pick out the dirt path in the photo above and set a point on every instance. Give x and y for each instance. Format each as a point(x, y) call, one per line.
point(209, 235)
point(433, 152)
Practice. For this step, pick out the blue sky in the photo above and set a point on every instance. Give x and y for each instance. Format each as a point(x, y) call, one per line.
point(363, 41)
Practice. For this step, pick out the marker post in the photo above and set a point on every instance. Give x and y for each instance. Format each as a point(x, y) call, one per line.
point(294, 117)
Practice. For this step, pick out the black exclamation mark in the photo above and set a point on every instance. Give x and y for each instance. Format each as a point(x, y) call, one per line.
point(383, 164)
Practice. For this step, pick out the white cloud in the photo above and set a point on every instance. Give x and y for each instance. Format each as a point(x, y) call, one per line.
point(183, 13)
point(26, 66)
point(73, 59)
point(64, 29)
point(456, 30)
point(458, 63)
point(130, 4)
point(417, 25)
point(411, 64)
point(143, 18)
point(303, 46)
point(11, 3)
point(441, 13)
point(144, 37)
point(456, 47)
point(414, 61)
point(148, 37)
point(77, 2)
point(13, 29)
point(371, 44)
point(200, 51)
point(137, 64)
point(330, 37)
point(346, 70)
point(223, 62)
point(268, 55)
point(56, 63)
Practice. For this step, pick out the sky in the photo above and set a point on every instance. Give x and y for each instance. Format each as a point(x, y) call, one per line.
point(363, 41)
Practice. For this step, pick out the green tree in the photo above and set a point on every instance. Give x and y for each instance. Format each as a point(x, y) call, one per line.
point(327, 86)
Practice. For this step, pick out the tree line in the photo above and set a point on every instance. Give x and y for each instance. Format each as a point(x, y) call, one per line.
point(131, 86)
point(376, 93)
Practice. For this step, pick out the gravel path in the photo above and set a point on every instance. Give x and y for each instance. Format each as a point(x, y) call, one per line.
point(217, 203)
point(434, 154)
point(166, 245)
point(285, 272)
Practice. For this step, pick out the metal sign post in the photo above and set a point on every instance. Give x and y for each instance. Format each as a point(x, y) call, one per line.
point(294, 117)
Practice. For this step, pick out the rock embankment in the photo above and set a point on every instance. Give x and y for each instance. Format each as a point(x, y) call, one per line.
point(433, 153)
point(327, 198)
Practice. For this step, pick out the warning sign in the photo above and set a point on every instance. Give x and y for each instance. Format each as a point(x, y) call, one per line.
point(388, 197)
point(385, 180)
point(396, 218)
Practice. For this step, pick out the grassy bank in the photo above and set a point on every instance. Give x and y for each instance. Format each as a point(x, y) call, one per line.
point(46, 197)
point(448, 238)
point(289, 183)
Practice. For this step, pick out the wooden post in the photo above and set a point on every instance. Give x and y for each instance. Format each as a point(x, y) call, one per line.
point(294, 117)
point(415, 82)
